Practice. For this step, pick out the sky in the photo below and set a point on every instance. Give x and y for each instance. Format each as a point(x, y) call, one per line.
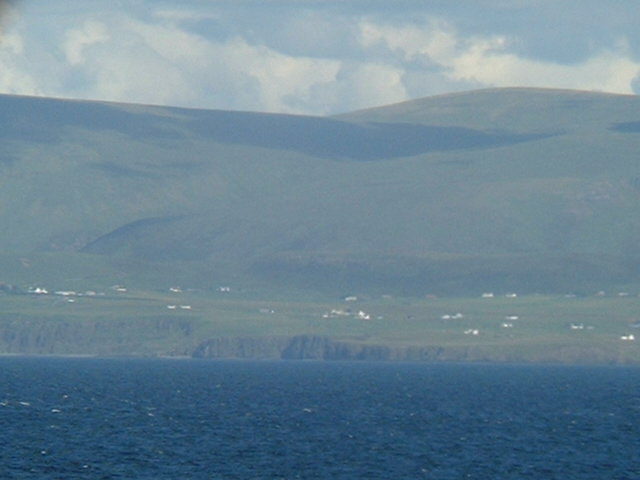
point(317, 57)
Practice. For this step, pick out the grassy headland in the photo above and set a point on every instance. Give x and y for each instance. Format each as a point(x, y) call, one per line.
point(507, 328)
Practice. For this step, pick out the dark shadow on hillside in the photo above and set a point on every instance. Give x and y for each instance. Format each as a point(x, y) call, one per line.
point(337, 139)
point(121, 171)
point(132, 235)
point(44, 120)
point(626, 127)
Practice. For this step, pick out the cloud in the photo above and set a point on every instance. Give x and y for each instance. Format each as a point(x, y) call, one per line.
point(310, 59)
point(7, 15)
point(435, 41)
point(77, 40)
point(6, 10)
point(136, 61)
point(354, 86)
point(14, 77)
point(180, 15)
point(156, 59)
point(635, 83)
point(487, 61)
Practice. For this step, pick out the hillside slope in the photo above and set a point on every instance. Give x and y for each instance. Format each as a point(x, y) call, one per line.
point(512, 189)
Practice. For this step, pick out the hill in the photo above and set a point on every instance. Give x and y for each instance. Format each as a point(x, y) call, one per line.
point(522, 190)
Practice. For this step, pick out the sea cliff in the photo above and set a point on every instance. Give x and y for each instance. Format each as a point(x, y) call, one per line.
point(314, 347)
point(167, 336)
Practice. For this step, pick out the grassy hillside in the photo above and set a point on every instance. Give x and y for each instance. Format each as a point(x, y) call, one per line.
point(506, 190)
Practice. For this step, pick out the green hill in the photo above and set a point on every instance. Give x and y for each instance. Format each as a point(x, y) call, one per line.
point(509, 189)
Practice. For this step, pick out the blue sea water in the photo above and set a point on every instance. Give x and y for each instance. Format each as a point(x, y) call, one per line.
point(64, 418)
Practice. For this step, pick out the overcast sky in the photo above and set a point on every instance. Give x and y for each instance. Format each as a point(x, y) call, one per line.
point(313, 56)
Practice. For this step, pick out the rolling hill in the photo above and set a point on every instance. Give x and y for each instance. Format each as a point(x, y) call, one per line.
point(525, 190)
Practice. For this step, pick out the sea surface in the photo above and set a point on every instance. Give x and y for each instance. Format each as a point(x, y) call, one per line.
point(80, 418)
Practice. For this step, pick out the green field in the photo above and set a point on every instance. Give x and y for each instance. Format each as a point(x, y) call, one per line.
point(539, 328)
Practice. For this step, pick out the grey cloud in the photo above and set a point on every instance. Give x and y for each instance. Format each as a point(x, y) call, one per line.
point(307, 56)
point(635, 84)
point(5, 10)
point(565, 32)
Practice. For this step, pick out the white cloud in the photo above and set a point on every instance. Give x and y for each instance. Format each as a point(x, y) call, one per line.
point(15, 76)
point(635, 83)
point(489, 63)
point(77, 40)
point(436, 40)
point(484, 61)
point(12, 44)
point(157, 61)
point(357, 83)
point(16, 81)
point(179, 15)
point(160, 63)
point(168, 41)
point(315, 61)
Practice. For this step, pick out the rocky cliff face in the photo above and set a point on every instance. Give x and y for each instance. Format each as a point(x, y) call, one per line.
point(168, 336)
point(314, 347)
point(311, 347)
point(255, 348)
point(60, 336)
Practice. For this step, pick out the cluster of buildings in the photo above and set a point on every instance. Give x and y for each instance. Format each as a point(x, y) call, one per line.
point(339, 312)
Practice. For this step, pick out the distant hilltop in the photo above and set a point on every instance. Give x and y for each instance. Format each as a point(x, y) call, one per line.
point(528, 190)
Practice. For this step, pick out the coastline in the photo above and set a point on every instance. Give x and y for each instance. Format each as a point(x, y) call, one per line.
point(325, 348)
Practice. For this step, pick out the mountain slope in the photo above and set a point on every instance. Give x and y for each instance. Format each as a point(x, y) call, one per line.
point(497, 189)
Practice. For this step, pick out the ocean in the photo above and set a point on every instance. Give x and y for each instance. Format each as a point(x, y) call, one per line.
point(85, 418)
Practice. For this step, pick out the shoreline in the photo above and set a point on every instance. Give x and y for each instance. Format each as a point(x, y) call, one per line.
point(330, 349)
